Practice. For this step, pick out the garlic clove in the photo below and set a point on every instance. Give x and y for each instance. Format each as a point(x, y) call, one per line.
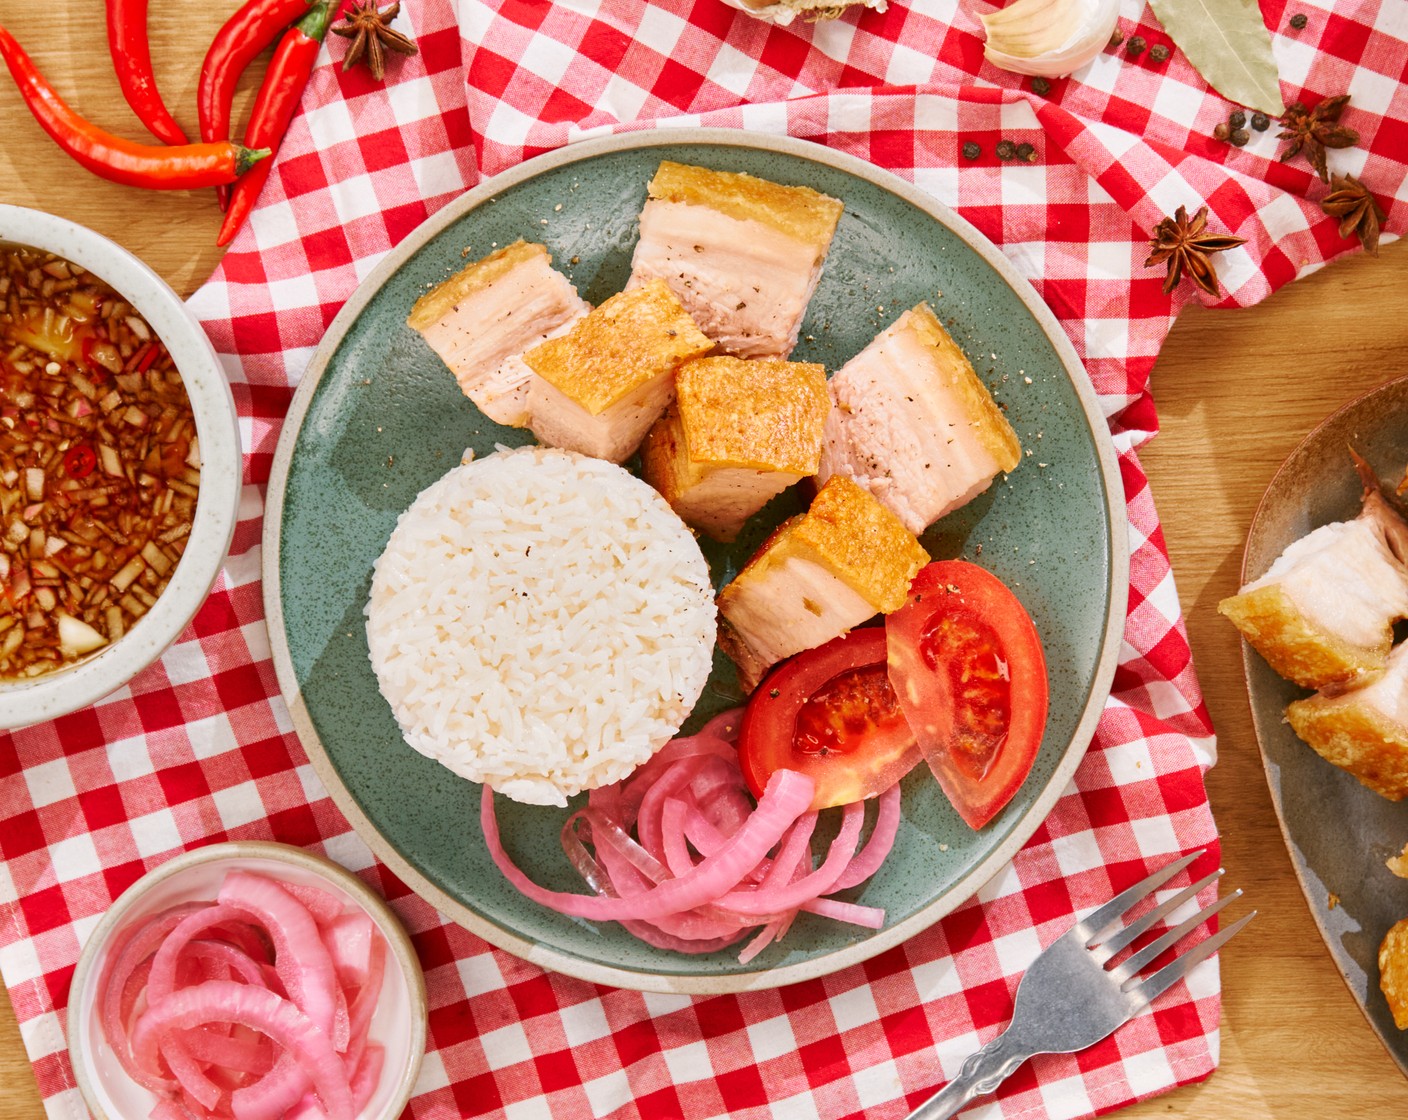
point(1031, 27)
point(1050, 38)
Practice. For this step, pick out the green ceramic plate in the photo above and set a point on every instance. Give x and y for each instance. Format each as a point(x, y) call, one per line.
point(378, 417)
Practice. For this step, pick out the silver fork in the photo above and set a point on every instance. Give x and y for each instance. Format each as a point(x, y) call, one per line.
point(1068, 999)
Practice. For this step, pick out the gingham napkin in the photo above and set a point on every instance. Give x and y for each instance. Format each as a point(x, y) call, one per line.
point(199, 748)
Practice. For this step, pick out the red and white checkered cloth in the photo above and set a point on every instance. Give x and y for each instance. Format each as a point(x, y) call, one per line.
point(199, 748)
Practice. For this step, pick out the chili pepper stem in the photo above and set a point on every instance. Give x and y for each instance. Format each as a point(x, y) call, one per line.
point(246, 158)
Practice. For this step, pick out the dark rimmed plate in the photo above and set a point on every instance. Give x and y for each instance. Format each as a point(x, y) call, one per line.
point(377, 418)
point(1338, 832)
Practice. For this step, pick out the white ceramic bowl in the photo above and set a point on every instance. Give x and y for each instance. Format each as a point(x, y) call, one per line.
point(66, 690)
point(399, 1023)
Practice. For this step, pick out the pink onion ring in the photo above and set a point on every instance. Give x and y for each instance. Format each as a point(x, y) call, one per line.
point(195, 1011)
point(221, 1001)
point(679, 855)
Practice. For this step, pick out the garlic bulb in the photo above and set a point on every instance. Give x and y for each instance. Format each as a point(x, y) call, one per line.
point(1048, 37)
point(783, 12)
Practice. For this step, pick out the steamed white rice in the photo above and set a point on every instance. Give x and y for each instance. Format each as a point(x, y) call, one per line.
point(540, 622)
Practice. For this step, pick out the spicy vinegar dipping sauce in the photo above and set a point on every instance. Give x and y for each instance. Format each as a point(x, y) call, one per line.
point(99, 464)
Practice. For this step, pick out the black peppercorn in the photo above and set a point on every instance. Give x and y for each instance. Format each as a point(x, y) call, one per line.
point(1221, 131)
point(1299, 20)
point(1116, 37)
point(971, 150)
point(1158, 53)
point(1135, 46)
point(1240, 136)
point(1238, 119)
point(1006, 149)
point(1041, 86)
point(1026, 152)
point(1261, 122)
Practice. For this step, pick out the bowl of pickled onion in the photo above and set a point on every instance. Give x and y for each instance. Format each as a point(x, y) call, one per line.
point(247, 979)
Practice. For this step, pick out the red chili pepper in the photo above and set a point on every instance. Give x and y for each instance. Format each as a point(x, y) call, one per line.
point(245, 34)
point(79, 461)
point(137, 165)
point(147, 357)
point(274, 107)
point(132, 60)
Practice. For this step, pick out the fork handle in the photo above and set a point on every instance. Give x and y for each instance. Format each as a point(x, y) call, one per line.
point(982, 1073)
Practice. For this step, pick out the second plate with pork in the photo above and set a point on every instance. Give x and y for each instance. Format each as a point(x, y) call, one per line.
point(378, 417)
point(1338, 832)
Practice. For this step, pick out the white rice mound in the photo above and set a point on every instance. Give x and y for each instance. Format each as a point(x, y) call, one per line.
point(541, 622)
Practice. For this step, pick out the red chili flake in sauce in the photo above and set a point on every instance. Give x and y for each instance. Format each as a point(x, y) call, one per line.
point(79, 461)
point(99, 464)
point(147, 357)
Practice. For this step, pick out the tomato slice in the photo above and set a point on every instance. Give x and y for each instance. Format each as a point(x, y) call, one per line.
point(829, 712)
point(968, 671)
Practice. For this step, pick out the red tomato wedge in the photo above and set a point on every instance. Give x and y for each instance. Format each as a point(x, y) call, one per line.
point(969, 674)
point(829, 712)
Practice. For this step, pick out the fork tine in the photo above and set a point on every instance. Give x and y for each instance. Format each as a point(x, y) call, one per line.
point(1157, 984)
point(1151, 951)
point(1119, 939)
point(1099, 921)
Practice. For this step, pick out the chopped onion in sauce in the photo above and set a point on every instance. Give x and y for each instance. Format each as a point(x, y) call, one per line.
point(99, 468)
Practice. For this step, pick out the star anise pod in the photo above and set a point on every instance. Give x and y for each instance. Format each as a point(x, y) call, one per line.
point(372, 36)
point(1359, 213)
point(1314, 130)
point(1187, 246)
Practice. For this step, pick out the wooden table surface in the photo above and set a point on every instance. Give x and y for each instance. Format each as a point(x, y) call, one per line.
point(1236, 391)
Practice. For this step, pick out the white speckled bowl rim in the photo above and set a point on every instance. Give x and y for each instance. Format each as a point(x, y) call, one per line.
point(397, 941)
point(217, 425)
point(982, 871)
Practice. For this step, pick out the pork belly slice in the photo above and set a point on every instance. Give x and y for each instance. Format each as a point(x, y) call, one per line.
point(1324, 611)
point(1393, 972)
point(1363, 729)
point(602, 385)
point(819, 575)
point(739, 433)
point(743, 254)
point(914, 425)
point(482, 319)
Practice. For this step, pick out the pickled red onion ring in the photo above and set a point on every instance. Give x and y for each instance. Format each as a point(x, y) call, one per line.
point(195, 1011)
point(136, 954)
point(300, 957)
point(787, 796)
point(682, 859)
point(882, 839)
point(224, 1001)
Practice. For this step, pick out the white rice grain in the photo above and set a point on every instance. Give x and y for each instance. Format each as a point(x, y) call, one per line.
point(540, 622)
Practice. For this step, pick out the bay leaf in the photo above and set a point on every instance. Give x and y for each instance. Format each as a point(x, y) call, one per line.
point(1228, 44)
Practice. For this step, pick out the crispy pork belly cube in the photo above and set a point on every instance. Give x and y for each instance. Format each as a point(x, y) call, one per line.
point(1393, 972)
point(821, 574)
point(602, 385)
point(1363, 729)
point(914, 425)
point(482, 319)
point(1324, 611)
point(743, 254)
point(739, 433)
